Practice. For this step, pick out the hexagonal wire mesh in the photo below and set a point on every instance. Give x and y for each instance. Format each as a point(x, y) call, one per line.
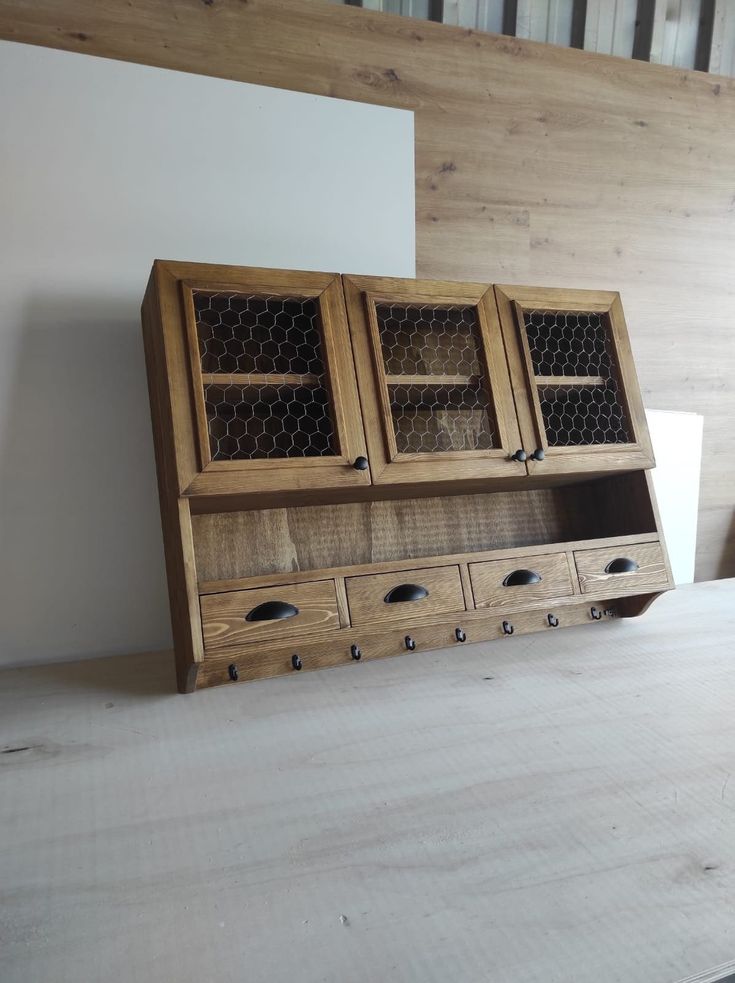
point(281, 408)
point(576, 344)
point(443, 403)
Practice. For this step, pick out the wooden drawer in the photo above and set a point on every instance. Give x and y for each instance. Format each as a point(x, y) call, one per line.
point(499, 583)
point(596, 569)
point(225, 616)
point(367, 595)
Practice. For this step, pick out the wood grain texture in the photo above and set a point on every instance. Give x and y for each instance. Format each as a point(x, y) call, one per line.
point(232, 545)
point(490, 592)
point(534, 163)
point(269, 476)
point(366, 595)
point(362, 294)
point(536, 780)
point(650, 575)
point(224, 621)
point(513, 303)
point(516, 553)
point(176, 518)
point(386, 640)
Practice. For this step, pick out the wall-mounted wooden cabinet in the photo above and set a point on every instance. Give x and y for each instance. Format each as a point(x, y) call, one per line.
point(434, 382)
point(577, 394)
point(350, 466)
point(262, 380)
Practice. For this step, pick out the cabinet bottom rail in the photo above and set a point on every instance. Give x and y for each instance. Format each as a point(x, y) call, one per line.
point(341, 648)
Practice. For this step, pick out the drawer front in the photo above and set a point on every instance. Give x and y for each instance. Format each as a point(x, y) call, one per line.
point(606, 571)
point(240, 616)
point(367, 595)
point(521, 580)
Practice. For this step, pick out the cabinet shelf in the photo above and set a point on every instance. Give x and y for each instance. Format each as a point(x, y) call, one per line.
point(570, 380)
point(258, 379)
point(432, 380)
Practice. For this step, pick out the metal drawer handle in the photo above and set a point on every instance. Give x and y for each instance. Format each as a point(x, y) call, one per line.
point(522, 578)
point(406, 592)
point(622, 564)
point(272, 611)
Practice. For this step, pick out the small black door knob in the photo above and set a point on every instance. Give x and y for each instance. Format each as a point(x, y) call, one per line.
point(553, 620)
point(460, 635)
point(355, 652)
point(507, 628)
point(232, 672)
point(360, 463)
point(538, 454)
point(595, 614)
point(520, 456)
point(410, 643)
point(296, 661)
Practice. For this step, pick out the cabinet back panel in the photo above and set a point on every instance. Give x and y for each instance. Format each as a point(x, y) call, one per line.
point(231, 545)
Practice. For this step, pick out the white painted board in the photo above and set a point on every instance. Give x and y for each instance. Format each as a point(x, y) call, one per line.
point(105, 166)
point(677, 445)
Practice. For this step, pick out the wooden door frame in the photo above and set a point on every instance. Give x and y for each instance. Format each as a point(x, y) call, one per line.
point(271, 475)
point(388, 466)
point(512, 302)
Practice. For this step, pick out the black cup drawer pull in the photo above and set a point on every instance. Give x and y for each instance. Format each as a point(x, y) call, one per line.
point(406, 592)
point(622, 564)
point(522, 578)
point(272, 611)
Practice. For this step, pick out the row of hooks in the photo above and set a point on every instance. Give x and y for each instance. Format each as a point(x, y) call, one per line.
point(410, 643)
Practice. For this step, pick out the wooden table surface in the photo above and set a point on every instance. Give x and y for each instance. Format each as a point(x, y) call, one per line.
point(557, 807)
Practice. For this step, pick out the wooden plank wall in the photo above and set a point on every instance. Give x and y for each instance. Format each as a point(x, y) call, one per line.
point(535, 164)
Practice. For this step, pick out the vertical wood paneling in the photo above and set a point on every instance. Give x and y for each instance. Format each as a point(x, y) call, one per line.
point(610, 27)
point(722, 53)
point(680, 33)
point(481, 15)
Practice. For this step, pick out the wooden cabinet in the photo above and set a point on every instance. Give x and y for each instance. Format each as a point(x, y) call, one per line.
point(574, 380)
point(352, 467)
point(262, 379)
point(433, 380)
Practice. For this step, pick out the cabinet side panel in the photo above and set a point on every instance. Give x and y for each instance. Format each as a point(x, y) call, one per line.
point(175, 516)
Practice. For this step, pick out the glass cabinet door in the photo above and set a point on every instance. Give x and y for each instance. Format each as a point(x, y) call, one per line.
point(273, 380)
point(570, 350)
point(433, 380)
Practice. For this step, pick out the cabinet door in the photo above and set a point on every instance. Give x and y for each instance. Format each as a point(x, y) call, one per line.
point(433, 380)
point(577, 395)
point(273, 380)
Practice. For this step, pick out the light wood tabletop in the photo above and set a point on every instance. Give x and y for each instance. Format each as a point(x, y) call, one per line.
point(551, 807)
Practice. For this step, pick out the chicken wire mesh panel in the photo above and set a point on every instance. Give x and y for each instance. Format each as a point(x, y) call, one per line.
point(438, 392)
point(576, 345)
point(272, 400)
